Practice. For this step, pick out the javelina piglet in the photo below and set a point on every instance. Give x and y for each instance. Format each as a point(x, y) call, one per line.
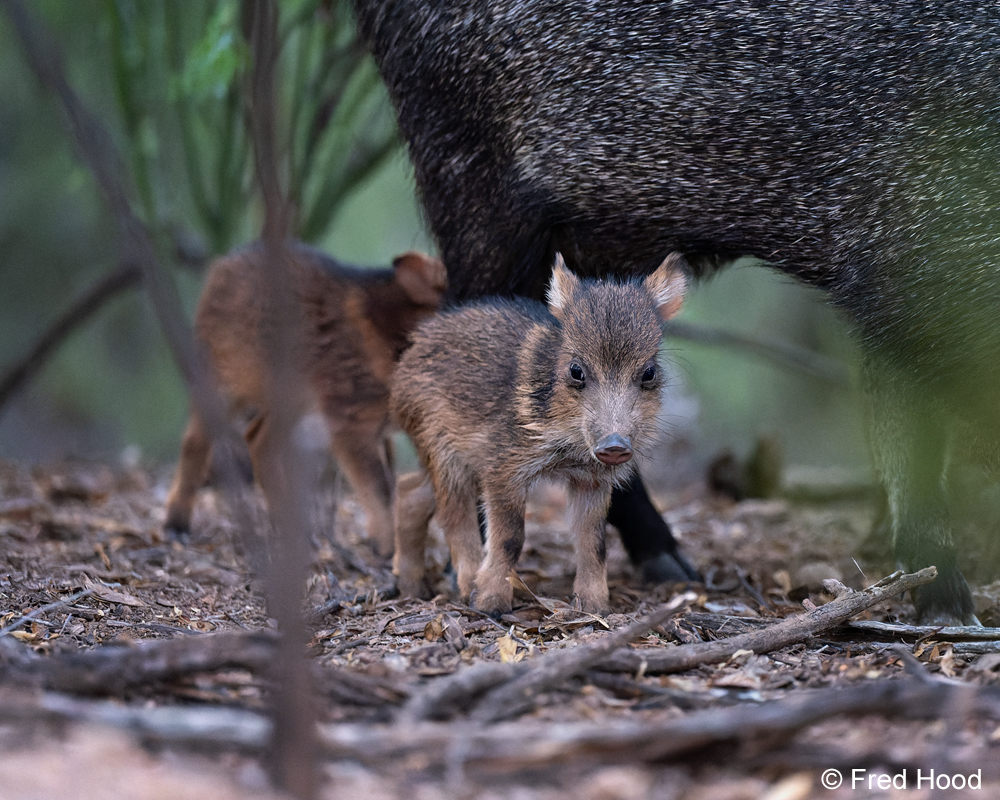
point(500, 393)
point(352, 327)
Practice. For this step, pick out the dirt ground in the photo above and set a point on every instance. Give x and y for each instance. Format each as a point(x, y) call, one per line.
point(90, 528)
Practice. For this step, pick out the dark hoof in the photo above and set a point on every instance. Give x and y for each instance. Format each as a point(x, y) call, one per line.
point(176, 533)
point(667, 568)
point(390, 592)
point(947, 601)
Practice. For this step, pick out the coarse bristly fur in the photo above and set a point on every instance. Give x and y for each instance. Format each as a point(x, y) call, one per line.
point(353, 325)
point(852, 144)
point(499, 393)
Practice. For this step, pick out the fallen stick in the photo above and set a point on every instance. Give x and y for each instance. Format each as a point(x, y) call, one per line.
point(514, 746)
point(956, 633)
point(448, 696)
point(975, 648)
point(107, 670)
point(774, 637)
point(517, 695)
point(979, 639)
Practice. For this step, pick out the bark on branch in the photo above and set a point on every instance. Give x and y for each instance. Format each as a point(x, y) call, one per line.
point(516, 746)
point(782, 634)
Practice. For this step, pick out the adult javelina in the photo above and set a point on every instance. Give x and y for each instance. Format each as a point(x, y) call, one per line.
point(499, 393)
point(353, 326)
point(852, 144)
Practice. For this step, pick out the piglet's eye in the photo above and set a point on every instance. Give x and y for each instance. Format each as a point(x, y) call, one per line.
point(576, 372)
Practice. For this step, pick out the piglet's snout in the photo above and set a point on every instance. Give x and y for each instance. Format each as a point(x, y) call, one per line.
point(613, 449)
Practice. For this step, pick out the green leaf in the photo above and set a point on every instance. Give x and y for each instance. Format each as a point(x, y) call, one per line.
point(214, 61)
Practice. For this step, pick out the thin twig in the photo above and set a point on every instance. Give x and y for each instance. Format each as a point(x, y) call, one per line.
point(292, 760)
point(125, 276)
point(783, 354)
point(44, 609)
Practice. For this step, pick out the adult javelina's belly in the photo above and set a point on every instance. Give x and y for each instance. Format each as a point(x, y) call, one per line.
point(851, 144)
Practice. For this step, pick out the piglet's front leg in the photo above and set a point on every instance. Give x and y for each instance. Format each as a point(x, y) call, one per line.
point(504, 540)
point(587, 512)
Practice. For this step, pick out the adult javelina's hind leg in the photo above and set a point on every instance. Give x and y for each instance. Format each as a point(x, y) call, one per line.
point(910, 439)
point(646, 536)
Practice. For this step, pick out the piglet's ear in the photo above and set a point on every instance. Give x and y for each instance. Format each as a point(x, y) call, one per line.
point(561, 287)
point(668, 284)
point(422, 277)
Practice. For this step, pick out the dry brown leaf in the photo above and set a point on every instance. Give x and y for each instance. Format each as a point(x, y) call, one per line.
point(453, 632)
point(508, 650)
point(783, 579)
point(109, 595)
point(794, 787)
point(741, 679)
point(434, 629)
point(948, 663)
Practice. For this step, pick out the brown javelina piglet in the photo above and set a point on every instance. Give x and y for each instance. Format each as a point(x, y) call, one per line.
point(500, 393)
point(353, 325)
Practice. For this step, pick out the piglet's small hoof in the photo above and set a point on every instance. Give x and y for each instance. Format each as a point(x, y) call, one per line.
point(494, 607)
point(417, 589)
point(600, 608)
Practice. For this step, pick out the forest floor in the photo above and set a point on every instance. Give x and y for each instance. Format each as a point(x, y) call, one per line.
point(93, 531)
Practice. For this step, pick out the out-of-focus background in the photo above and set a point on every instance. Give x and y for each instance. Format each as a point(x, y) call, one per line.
point(167, 78)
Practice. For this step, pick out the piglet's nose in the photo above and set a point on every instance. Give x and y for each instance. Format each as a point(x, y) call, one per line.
point(613, 449)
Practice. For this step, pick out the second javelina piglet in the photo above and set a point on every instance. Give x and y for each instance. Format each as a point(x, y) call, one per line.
point(353, 324)
point(500, 393)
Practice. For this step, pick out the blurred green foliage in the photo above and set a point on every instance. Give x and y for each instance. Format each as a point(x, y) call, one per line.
point(167, 78)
